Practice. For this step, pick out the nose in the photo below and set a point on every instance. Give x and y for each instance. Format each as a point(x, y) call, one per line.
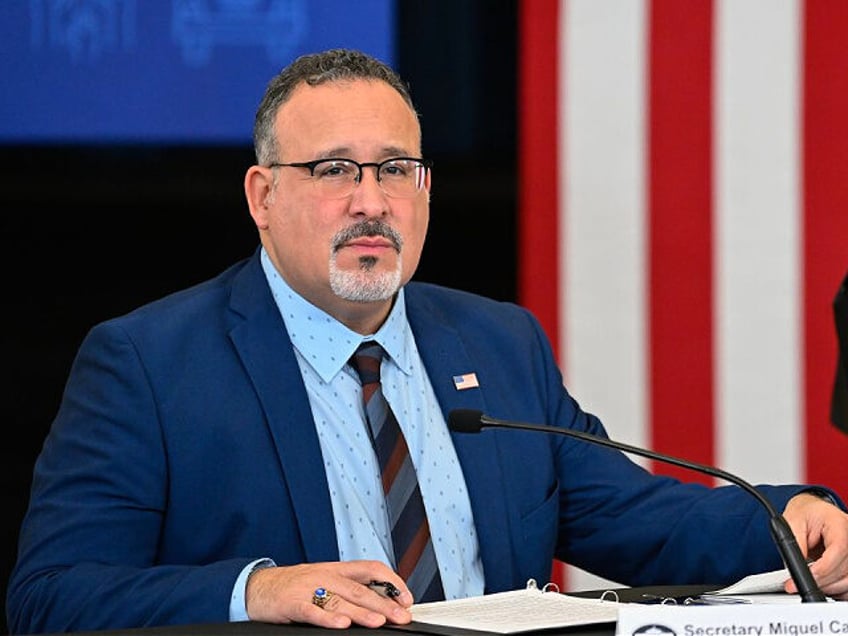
point(366, 170)
point(368, 196)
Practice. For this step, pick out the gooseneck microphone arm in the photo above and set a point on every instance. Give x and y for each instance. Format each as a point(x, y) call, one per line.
point(473, 421)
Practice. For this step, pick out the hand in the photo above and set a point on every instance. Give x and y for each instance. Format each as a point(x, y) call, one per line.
point(284, 595)
point(821, 530)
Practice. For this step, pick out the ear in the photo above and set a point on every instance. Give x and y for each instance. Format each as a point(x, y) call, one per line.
point(259, 191)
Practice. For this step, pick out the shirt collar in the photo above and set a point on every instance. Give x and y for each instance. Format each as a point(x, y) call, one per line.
point(324, 342)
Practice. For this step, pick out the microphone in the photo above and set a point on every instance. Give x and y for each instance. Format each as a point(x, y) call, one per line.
point(473, 421)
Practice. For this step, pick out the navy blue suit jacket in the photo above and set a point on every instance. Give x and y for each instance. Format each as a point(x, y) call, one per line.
point(184, 448)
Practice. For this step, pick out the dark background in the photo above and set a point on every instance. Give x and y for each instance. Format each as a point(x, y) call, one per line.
point(92, 232)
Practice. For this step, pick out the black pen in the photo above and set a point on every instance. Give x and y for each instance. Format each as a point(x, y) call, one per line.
point(384, 588)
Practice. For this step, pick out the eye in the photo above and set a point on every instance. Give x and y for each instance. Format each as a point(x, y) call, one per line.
point(335, 170)
point(396, 169)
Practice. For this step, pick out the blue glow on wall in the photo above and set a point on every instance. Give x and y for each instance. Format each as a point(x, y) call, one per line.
point(162, 71)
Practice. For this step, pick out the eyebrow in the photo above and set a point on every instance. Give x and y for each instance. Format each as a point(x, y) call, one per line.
point(346, 151)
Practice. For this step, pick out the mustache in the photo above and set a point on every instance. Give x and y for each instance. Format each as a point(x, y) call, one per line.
point(371, 227)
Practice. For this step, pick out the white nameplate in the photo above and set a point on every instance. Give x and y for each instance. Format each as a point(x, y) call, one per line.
point(797, 619)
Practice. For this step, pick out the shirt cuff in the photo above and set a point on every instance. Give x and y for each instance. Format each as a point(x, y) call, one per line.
point(238, 607)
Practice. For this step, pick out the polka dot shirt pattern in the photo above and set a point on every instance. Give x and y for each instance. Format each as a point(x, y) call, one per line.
point(322, 347)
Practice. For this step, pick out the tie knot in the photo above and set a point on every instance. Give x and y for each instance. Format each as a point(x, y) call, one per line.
point(366, 360)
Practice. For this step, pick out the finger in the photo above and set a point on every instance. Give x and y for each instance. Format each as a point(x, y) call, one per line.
point(822, 573)
point(838, 592)
point(334, 604)
point(356, 589)
point(393, 608)
point(834, 582)
point(830, 569)
point(799, 527)
point(315, 615)
point(365, 572)
point(831, 572)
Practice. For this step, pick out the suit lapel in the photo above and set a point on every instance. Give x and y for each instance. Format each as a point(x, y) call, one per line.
point(268, 357)
point(445, 356)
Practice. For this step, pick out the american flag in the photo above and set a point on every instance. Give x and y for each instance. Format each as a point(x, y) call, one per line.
point(683, 216)
point(465, 381)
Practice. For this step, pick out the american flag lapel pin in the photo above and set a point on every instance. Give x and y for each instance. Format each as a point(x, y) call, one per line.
point(465, 381)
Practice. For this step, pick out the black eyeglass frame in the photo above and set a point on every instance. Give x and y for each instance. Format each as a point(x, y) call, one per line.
point(311, 165)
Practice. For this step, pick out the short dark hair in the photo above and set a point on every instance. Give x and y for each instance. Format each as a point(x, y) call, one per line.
point(314, 69)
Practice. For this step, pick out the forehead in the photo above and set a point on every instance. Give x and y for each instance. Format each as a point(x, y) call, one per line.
point(360, 116)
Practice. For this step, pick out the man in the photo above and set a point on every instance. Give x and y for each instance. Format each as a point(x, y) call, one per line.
point(211, 459)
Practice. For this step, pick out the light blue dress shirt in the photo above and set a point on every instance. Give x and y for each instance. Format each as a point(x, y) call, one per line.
point(323, 347)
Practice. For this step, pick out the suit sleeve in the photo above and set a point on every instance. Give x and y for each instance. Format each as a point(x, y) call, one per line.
point(88, 548)
point(615, 518)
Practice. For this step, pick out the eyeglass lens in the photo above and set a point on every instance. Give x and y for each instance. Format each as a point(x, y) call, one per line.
point(401, 178)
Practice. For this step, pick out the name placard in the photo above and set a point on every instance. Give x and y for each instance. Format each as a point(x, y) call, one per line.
point(797, 619)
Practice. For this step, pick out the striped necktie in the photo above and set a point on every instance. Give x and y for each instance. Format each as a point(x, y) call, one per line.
point(415, 558)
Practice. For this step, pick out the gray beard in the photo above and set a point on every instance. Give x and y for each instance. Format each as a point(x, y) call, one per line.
point(364, 285)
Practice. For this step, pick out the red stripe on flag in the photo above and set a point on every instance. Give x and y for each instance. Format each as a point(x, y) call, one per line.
point(680, 231)
point(825, 227)
point(538, 176)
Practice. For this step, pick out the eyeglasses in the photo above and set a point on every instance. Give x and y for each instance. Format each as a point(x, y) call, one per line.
point(399, 177)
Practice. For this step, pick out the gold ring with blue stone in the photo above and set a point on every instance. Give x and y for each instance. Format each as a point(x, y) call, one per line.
point(321, 596)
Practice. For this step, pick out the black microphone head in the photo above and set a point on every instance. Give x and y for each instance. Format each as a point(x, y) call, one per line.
point(465, 420)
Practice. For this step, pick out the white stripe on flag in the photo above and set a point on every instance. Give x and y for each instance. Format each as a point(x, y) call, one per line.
point(602, 211)
point(756, 253)
point(602, 218)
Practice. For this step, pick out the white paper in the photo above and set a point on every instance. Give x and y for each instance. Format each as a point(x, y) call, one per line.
point(517, 611)
point(765, 588)
point(763, 583)
point(532, 609)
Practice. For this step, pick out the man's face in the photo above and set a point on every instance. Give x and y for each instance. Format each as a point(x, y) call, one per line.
point(346, 255)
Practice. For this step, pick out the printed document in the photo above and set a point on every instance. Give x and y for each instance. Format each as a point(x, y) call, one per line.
point(517, 611)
